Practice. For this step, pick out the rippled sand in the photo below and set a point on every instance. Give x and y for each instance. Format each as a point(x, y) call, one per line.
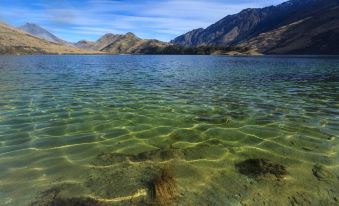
point(169, 130)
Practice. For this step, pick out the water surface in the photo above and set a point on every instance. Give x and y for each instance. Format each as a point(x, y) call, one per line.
point(206, 130)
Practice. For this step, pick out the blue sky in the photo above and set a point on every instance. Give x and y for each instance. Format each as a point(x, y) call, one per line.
point(74, 20)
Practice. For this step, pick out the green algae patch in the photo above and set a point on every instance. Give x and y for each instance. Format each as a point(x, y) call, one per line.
point(186, 135)
point(259, 168)
point(204, 151)
point(212, 119)
point(164, 154)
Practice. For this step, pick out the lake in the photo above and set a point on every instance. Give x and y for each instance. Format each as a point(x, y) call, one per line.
point(169, 130)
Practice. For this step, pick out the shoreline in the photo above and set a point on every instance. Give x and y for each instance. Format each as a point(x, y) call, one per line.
point(229, 55)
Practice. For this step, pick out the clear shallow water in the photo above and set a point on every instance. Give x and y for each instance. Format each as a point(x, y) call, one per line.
point(169, 130)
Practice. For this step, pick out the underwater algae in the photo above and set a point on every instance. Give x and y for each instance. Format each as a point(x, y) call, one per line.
point(155, 184)
point(169, 130)
point(258, 168)
point(163, 186)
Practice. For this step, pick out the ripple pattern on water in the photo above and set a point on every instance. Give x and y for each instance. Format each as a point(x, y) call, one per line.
point(102, 128)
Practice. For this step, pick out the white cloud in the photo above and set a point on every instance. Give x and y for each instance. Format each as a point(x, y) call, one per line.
point(164, 19)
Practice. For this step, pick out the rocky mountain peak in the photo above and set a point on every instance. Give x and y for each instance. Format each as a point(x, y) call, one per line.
point(40, 32)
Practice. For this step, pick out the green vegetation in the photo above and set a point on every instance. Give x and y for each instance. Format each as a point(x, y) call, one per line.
point(200, 50)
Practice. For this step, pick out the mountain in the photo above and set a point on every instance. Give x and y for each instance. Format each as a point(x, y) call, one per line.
point(296, 26)
point(84, 44)
point(128, 43)
point(101, 43)
point(42, 33)
point(15, 41)
point(316, 34)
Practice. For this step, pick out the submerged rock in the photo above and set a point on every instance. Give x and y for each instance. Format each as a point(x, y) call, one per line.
point(78, 201)
point(260, 167)
point(52, 197)
point(134, 185)
point(321, 173)
point(302, 198)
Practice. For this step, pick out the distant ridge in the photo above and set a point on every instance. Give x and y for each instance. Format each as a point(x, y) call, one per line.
point(293, 27)
point(127, 43)
point(17, 42)
point(42, 33)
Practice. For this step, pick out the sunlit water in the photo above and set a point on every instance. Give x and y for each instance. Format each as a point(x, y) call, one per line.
point(102, 130)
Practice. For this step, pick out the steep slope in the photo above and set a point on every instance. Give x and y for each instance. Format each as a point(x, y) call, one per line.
point(121, 44)
point(83, 44)
point(251, 22)
point(191, 38)
point(101, 43)
point(322, 36)
point(42, 33)
point(131, 44)
point(15, 41)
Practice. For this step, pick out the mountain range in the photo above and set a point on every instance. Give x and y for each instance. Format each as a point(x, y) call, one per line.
point(116, 44)
point(17, 42)
point(293, 27)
